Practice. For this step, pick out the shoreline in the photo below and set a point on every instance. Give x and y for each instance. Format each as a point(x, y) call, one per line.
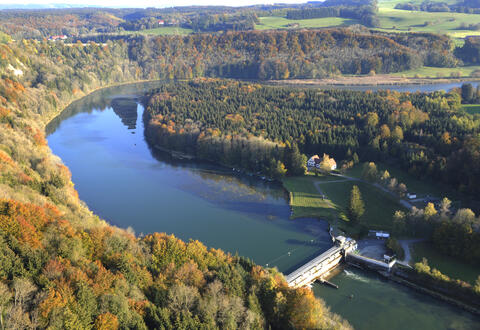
point(411, 283)
point(55, 114)
point(173, 153)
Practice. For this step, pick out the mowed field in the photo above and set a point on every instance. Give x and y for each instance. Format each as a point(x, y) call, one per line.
point(275, 22)
point(435, 72)
point(307, 201)
point(420, 187)
point(391, 20)
point(447, 265)
point(395, 20)
point(472, 109)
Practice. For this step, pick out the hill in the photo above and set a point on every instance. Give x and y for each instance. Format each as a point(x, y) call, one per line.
point(63, 267)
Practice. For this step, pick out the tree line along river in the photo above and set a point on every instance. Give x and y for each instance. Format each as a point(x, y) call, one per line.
point(126, 182)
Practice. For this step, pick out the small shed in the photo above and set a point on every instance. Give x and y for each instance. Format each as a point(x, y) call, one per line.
point(378, 234)
point(411, 195)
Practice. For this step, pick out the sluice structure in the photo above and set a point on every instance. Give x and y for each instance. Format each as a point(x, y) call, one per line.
point(321, 265)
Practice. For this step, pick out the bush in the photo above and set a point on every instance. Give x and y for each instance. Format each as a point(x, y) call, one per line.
point(394, 246)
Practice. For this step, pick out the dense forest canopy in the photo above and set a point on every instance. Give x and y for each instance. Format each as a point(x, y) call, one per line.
point(289, 54)
point(470, 51)
point(425, 133)
point(62, 267)
point(263, 55)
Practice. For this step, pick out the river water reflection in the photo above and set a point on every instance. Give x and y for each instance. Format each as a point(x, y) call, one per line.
point(100, 138)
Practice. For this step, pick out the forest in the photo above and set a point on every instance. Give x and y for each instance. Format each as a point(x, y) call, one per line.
point(63, 267)
point(426, 134)
point(454, 231)
point(470, 51)
point(288, 54)
point(76, 22)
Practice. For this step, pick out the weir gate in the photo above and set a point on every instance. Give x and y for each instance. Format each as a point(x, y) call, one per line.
point(318, 267)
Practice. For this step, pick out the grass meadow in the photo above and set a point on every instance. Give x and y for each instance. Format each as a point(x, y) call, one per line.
point(447, 265)
point(275, 22)
point(472, 109)
point(306, 201)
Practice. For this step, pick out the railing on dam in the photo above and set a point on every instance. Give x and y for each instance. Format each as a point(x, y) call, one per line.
point(369, 262)
point(322, 264)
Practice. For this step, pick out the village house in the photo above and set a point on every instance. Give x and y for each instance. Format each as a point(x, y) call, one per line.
point(313, 161)
point(55, 38)
point(324, 163)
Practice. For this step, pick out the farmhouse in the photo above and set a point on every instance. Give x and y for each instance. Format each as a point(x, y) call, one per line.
point(313, 161)
point(325, 163)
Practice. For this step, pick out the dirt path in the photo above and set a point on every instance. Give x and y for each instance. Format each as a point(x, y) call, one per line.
point(406, 244)
point(403, 202)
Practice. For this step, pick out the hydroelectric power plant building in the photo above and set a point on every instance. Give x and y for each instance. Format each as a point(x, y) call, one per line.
point(321, 265)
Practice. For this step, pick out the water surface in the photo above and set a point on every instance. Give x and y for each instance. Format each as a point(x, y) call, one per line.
point(100, 138)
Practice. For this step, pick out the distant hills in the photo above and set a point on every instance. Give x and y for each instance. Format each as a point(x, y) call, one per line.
point(43, 6)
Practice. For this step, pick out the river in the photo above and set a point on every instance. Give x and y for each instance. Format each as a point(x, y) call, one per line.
point(100, 138)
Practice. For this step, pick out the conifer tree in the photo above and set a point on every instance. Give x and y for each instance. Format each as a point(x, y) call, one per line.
point(356, 207)
point(296, 162)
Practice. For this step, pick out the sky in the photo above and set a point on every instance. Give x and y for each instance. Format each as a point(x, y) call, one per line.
point(149, 3)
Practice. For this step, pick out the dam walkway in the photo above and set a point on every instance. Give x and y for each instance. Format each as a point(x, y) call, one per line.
point(321, 265)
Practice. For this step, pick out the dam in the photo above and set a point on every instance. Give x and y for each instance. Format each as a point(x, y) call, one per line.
point(321, 265)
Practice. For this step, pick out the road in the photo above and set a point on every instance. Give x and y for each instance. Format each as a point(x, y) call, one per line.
point(406, 243)
point(403, 202)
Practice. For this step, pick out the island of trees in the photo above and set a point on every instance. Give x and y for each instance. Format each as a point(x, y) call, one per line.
point(260, 128)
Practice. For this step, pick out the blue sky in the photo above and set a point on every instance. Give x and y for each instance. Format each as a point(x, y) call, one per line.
point(150, 3)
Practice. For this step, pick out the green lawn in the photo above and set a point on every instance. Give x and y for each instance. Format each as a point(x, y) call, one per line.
point(434, 72)
point(421, 187)
point(419, 21)
point(306, 201)
point(471, 108)
point(168, 30)
point(379, 207)
point(447, 265)
point(391, 20)
point(275, 22)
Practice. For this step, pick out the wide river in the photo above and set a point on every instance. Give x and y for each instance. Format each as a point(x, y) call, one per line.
point(130, 185)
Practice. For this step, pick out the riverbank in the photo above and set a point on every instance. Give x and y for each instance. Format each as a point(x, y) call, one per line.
point(65, 104)
point(365, 81)
point(223, 212)
point(408, 278)
point(175, 154)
